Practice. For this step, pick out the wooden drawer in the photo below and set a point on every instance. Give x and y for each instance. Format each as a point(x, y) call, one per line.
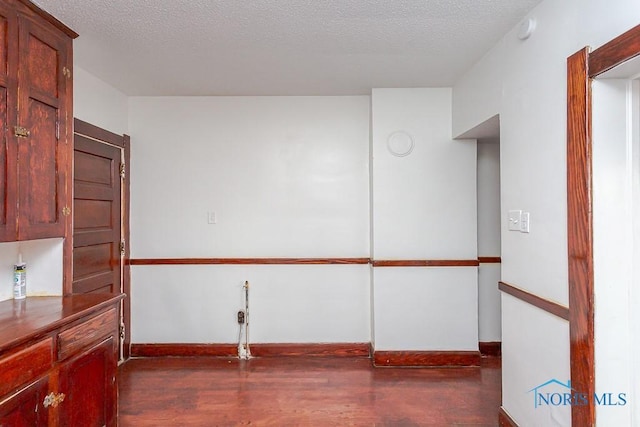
point(87, 333)
point(26, 365)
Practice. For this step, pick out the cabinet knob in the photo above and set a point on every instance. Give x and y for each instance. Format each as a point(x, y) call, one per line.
point(53, 399)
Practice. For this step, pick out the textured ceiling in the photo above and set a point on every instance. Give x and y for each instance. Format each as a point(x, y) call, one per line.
point(282, 47)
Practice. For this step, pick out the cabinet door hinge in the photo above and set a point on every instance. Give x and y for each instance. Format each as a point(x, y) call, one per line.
point(122, 247)
point(66, 72)
point(123, 170)
point(122, 332)
point(66, 211)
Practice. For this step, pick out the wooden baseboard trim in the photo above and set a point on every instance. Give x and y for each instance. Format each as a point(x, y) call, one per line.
point(542, 303)
point(362, 350)
point(504, 419)
point(247, 261)
point(184, 350)
point(490, 348)
point(426, 358)
point(257, 350)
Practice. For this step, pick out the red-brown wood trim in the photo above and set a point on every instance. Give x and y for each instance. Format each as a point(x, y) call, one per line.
point(67, 245)
point(580, 235)
point(126, 229)
point(426, 263)
point(489, 259)
point(184, 350)
point(311, 350)
point(312, 261)
point(504, 419)
point(624, 47)
point(426, 358)
point(490, 348)
point(257, 350)
point(95, 132)
point(233, 261)
point(50, 18)
point(535, 300)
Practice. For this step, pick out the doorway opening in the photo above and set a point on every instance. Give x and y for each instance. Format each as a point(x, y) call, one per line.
point(489, 236)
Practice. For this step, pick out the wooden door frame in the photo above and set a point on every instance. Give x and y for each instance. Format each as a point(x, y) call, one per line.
point(123, 142)
point(582, 68)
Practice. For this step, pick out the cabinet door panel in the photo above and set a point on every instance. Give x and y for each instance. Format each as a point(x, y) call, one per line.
point(43, 155)
point(89, 383)
point(38, 153)
point(42, 65)
point(8, 163)
point(25, 409)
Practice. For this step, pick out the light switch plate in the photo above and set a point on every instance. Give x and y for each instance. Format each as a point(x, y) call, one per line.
point(211, 217)
point(515, 217)
point(524, 222)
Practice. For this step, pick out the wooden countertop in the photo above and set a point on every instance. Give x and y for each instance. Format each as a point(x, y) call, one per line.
point(23, 320)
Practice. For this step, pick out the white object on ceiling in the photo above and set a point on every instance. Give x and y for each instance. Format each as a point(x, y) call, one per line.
point(282, 47)
point(527, 27)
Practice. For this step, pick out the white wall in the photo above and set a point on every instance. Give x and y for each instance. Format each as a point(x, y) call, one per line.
point(298, 304)
point(286, 177)
point(539, 338)
point(532, 107)
point(424, 207)
point(477, 96)
point(489, 313)
point(99, 103)
point(44, 267)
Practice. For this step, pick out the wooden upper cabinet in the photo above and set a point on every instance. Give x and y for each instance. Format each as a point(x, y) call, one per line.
point(36, 115)
point(8, 154)
point(43, 154)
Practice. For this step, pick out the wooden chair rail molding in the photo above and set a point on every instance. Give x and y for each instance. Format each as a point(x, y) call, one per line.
point(489, 259)
point(536, 301)
point(426, 263)
point(237, 261)
point(316, 261)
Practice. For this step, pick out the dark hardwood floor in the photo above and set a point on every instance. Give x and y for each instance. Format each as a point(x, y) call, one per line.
point(305, 392)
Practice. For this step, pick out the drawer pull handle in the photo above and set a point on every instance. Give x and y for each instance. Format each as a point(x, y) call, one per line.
point(53, 399)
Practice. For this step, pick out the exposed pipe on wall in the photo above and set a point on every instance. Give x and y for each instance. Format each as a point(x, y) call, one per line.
point(244, 351)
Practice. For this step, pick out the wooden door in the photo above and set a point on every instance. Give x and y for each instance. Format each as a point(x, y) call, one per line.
point(97, 217)
point(8, 159)
point(25, 409)
point(89, 384)
point(42, 110)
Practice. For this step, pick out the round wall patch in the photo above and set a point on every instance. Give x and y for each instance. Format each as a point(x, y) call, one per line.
point(400, 143)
